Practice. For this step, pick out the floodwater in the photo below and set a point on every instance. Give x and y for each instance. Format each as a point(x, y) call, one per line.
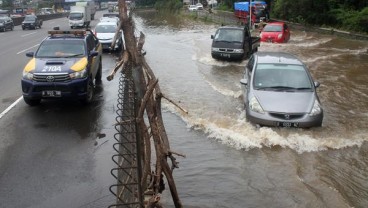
point(230, 162)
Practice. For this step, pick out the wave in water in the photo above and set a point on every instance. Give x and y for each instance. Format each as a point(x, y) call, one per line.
point(243, 135)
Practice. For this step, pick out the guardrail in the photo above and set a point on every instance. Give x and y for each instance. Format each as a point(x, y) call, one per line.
point(43, 17)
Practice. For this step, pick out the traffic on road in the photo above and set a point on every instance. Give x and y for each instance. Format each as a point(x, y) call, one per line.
point(58, 154)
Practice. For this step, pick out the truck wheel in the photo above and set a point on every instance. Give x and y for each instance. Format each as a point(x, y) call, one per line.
point(39, 26)
point(88, 99)
point(32, 102)
point(12, 27)
point(98, 77)
point(23, 28)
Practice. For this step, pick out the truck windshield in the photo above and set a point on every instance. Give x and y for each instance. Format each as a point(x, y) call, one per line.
point(61, 48)
point(75, 16)
point(229, 35)
point(30, 18)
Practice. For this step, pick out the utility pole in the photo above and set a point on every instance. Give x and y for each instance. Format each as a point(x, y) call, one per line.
point(250, 14)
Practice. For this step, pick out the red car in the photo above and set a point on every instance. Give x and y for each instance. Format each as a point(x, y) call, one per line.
point(275, 32)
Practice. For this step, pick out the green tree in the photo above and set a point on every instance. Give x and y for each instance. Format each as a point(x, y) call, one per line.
point(7, 4)
point(168, 6)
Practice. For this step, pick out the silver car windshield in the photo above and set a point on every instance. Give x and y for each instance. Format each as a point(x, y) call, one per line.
point(281, 77)
point(61, 49)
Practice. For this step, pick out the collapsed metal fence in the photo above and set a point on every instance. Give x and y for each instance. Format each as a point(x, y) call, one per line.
point(127, 173)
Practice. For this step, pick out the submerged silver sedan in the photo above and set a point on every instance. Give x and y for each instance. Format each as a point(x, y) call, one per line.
point(279, 91)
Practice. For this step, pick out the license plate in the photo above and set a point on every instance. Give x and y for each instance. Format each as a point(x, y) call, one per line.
point(225, 55)
point(288, 124)
point(51, 93)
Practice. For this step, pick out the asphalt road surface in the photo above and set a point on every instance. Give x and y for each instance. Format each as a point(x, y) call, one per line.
point(57, 154)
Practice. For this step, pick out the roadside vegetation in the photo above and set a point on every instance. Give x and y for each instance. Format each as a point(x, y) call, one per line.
point(351, 15)
point(344, 14)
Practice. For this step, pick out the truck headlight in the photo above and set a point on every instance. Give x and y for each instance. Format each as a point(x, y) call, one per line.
point(27, 75)
point(79, 74)
point(316, 110)
point(215, 49)
point(1, 24)
point(279, 36)
point(255, 106)
point(238, 51)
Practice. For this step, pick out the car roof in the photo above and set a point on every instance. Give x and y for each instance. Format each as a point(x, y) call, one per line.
point(112, 14)
point(277, 57)
point(107, 23)
point(231, 27)
point(276, 23)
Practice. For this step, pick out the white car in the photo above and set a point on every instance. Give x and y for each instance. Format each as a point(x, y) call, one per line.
point(110, 19)
point(199, 6)
point(192, 8)
point(105, 32)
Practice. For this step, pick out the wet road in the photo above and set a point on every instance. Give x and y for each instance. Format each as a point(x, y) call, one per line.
point(57, 154)
point(233, 164)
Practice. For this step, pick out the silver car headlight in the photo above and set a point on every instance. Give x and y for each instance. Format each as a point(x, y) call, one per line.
point(238, 51)
point(215, 49)
point(316, 110)
point(255, 106)
point(27, 75)
point(79, 74)
point(1, 24)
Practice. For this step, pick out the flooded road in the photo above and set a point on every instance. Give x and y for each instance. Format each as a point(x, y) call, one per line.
point(231, 163)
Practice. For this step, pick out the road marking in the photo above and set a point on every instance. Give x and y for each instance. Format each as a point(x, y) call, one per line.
point(28, 34)
point(27, 49)
point(10, 107)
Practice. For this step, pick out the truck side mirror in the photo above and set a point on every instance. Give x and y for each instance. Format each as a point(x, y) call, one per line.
point(212, 36)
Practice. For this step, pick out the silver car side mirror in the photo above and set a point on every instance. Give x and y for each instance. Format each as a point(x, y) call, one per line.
point(316, 84)
point(244, 81)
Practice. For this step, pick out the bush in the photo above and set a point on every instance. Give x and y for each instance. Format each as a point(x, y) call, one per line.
point(169, 6)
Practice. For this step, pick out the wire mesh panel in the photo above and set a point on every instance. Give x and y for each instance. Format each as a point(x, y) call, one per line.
point(127, 190)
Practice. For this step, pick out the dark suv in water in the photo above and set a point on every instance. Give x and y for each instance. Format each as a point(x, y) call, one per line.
point(233, 43)
point(65, 66)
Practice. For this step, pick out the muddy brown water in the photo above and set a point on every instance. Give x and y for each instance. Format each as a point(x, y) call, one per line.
point(231, 163)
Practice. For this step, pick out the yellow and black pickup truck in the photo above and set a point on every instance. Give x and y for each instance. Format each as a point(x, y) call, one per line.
point(65, 66)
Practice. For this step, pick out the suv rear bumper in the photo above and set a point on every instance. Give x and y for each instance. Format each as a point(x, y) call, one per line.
point(75, 89)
